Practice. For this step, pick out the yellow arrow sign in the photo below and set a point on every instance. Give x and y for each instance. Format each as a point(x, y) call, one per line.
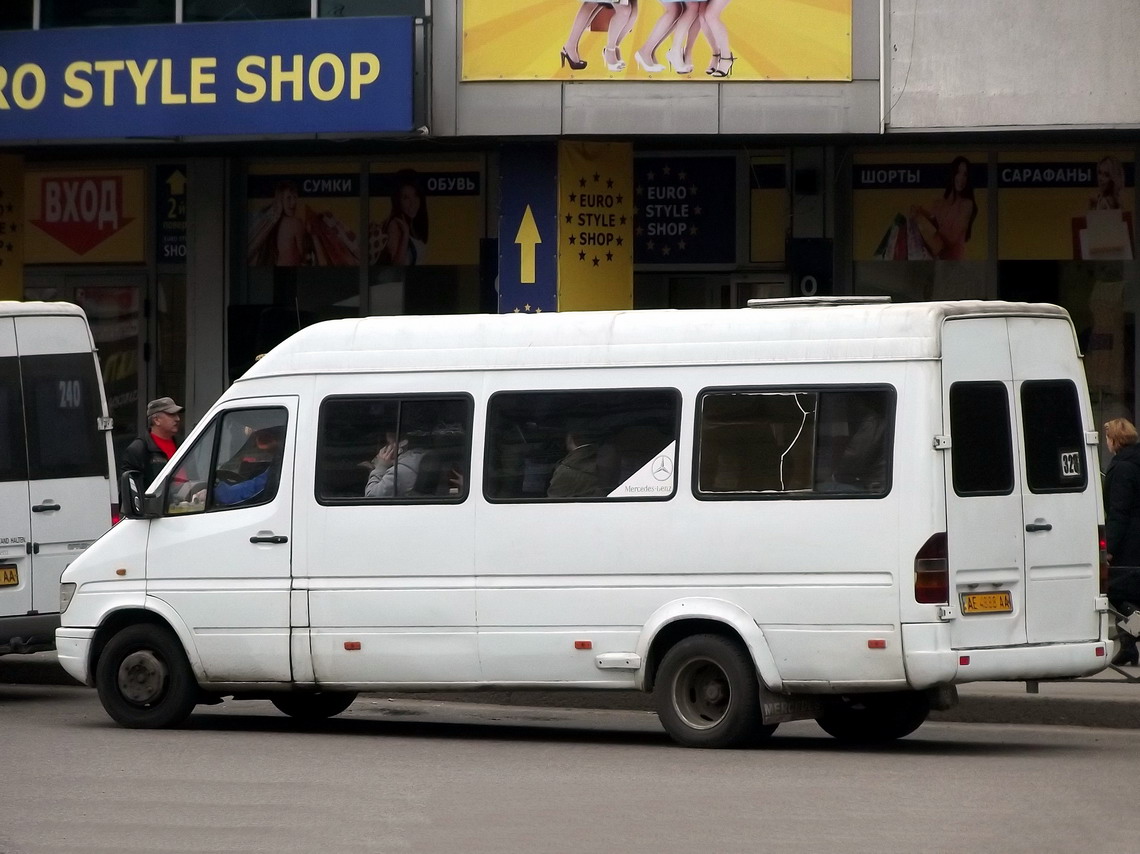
point(528, 239)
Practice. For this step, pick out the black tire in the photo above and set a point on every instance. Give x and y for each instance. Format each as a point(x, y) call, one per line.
point(313, 706)
point(708, 694)
point(874, 718)
point(144, 680)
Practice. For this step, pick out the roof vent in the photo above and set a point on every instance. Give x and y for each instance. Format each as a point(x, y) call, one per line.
point(789, 302)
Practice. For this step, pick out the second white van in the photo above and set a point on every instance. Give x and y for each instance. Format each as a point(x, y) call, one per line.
point(834, 511)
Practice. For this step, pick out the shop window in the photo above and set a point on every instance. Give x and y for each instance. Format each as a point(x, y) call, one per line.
point(16, 15)
point(361, 8)
point(84, 13)
point(244, 10)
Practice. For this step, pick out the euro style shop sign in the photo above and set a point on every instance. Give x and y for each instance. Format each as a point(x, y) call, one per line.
point(212, 79)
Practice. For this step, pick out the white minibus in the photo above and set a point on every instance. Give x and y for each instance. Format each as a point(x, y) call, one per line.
point(837, 511)
point(56, 464)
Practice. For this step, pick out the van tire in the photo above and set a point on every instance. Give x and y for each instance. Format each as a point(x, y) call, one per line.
point(708, 694)
point(309, 706)
point(874, 718)
point(144, 680)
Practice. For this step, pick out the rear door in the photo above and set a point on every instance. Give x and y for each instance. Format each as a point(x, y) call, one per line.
point(1061, 542)
point(984, 513)
point(68, 465)
point(15, 516)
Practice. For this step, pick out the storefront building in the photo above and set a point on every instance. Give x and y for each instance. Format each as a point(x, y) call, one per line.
point(205, 176)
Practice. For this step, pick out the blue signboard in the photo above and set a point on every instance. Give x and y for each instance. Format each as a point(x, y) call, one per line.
point(275, 77)
point(686, 210)
point(170, 207)
point(528, 228)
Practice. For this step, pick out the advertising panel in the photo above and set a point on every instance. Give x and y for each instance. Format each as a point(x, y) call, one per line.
point(412, 201)
point(595, 221)
point(768, 201)
point(243, 77)
point(717, 40)
point(1075, 206)
point(528, 228)
point(84, 216)
point(920, 207)
point(304, 216)
point(170, 205)
point(686, 210)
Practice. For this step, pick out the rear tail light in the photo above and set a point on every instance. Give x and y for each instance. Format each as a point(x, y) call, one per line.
point(1103, 558)
point(932, 572)
point(115, 516)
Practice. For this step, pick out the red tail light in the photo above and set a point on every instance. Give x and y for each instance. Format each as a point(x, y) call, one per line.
point(115, 517)
point(1103, 558)
point(932, 572)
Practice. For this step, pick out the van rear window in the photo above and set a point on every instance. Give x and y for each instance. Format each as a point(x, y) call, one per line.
point(795, 443)
point(13, 454)
point(582, 445)
point(1054, 436)
point(62, 407)
point(981, 452)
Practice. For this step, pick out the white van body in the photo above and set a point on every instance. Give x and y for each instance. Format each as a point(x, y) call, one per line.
point(56, 463)
point(759, 600)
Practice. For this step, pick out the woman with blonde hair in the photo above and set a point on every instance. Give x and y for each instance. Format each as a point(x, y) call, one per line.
point(1122, 526)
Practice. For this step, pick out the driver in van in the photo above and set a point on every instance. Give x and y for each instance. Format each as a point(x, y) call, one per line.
point(247, 475)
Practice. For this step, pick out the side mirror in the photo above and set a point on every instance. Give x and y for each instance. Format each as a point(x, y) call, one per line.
point(131, 495)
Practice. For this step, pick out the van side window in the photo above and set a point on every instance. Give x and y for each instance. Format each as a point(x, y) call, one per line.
point(13, 456)
point(384, 449)
point(1054, 436)
point(795, 443)
point(236, 462)
point(581, 445)
point(981, 452)
point(62, 408)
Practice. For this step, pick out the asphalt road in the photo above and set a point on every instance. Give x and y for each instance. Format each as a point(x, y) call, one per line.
point(425, 776)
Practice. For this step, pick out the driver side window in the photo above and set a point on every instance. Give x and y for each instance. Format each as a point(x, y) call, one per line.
point(235, 463)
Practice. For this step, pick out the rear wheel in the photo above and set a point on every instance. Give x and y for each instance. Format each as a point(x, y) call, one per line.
point(313, 706)
point(708, 694)
point(874, 718)
point(144, 680)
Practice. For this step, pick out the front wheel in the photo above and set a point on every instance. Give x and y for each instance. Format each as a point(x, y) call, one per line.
point(144, 680)
point(874, 718)
point(313, 706)
point(708, 694)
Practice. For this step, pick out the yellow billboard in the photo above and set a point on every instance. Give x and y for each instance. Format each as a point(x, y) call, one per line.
point(88, 215)
point(711, 40)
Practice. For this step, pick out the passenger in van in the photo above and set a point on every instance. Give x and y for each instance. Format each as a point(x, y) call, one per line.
point(862, 467)
point(576, 474)
point(396, 466)
point(1122, 528)
point(149, 453)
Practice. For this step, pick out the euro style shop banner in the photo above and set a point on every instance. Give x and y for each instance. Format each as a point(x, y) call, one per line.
point(427, 212)
point(710, 40)
point(685, 211)
point(91, 216)
point(595, 226)
point(11, 226)
point(303, 218)
point(920, 207)
point(1076, 206)
point(272, 77)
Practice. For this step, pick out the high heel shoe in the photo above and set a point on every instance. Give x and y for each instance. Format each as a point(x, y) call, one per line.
point(577, 65)
point(725, 72)
point(617, 64)
point(646, 65)
point(673, 55)
point(714, 61)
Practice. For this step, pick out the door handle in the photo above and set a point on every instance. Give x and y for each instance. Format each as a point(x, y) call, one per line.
point(1038, 526)
point(43, 508)
point(275, 539)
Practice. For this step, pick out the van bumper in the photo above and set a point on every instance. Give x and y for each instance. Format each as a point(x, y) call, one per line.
point(73, 649)
point(930, 662)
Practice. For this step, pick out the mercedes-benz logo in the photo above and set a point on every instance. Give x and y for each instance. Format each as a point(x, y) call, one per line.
point(662, 468)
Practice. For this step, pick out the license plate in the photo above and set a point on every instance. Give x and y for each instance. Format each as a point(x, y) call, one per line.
point(9, 576)
point(987, 603)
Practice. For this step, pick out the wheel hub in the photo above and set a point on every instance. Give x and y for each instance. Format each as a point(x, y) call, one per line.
point(701, 694)
point(142, 677)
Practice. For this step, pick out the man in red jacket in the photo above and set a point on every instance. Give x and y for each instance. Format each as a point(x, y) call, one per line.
point(149, 453)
